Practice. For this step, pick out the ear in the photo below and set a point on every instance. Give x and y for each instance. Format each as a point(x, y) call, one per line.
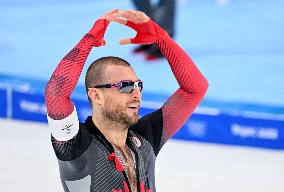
point(96, 96)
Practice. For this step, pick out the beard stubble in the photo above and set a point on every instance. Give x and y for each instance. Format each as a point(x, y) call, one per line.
point(117, 113)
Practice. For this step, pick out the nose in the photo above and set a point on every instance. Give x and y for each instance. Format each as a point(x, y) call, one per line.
point(136, 92)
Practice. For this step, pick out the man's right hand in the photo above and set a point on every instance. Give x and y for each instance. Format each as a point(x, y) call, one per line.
point(99, 28)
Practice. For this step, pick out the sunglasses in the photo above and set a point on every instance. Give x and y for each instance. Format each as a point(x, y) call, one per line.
point(123, 86)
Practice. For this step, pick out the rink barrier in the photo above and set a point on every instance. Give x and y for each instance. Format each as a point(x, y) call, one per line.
point(210, 125)
point(3, 103)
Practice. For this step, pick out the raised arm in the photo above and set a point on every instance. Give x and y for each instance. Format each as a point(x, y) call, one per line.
point(67, 73)
point(68, 141)
point(62, 116)
point(193, 86)
point(178, 108)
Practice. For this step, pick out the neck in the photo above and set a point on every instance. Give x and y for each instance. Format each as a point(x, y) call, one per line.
point(114, 132)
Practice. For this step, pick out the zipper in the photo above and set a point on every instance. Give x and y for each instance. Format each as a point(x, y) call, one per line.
point(137, 172)
point(133, 147)
point(135, 150)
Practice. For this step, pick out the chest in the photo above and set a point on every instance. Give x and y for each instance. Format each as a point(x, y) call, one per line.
point(127, 158)
point(107, 171)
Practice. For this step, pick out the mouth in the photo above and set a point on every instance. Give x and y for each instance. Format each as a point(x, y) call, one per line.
point(134, 106)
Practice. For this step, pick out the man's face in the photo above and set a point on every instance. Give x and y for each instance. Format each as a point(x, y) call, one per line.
point(120, 107)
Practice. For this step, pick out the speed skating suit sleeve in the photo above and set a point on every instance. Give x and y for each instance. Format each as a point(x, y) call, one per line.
point(162, 124)
point(62, 115)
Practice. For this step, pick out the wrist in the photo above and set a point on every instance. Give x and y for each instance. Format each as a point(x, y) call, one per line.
point(99, 28)
point(161, 33)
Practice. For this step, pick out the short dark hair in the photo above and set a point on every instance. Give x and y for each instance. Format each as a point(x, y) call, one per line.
point(96, 72)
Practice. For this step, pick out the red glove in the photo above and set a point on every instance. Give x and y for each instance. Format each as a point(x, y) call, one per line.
point(147, 30)
point(98, 31)
point(99, 28)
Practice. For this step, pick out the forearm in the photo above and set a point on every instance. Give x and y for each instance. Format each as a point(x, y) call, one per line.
point(67, 73)
point(65, 78)
point(185, 71)
point(193, 86)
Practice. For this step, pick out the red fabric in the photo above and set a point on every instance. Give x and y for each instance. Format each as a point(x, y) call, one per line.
point(147, 33)
point(118, 166)
point(142, 187)
point(67, 73)
point(126, 189)
point(192, 83)
point(193, 87)
point(114, 190)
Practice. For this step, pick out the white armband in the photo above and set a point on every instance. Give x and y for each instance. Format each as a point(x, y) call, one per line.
point(64, 129)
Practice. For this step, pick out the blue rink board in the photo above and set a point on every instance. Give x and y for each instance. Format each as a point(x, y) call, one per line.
point(213, 122)
point(3, 103)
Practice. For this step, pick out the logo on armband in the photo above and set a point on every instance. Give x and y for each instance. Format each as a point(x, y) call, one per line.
point(67, 128)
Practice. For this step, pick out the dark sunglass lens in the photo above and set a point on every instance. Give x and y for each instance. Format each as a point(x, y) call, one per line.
point(126, 87)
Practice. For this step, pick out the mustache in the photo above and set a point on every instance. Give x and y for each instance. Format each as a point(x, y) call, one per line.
point(135, 101)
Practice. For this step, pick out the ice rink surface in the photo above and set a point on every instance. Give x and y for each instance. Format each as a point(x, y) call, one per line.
point(28, 164)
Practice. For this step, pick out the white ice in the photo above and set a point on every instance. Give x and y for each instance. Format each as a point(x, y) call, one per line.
point(28, 164)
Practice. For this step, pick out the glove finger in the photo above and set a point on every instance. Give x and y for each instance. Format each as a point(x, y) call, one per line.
point(125, 41)
point(120, 21)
